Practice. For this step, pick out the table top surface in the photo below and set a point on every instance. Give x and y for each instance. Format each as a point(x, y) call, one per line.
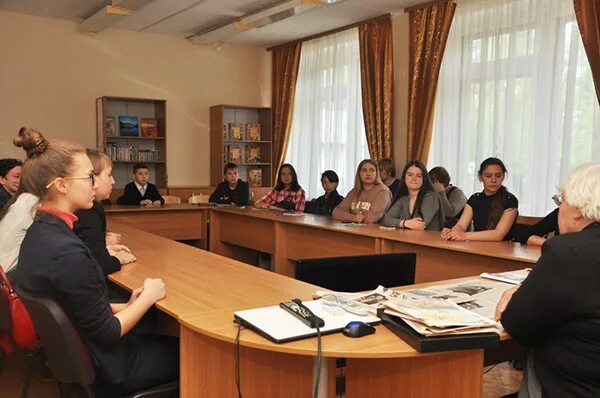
point(505, 250)
point(169, 207)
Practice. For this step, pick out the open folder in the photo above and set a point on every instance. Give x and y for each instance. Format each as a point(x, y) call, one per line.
point(280, 326)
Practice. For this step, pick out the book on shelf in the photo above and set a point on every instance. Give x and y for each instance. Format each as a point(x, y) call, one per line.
point(236, 131)
point(129, 126)
point(129, 153)
point(110, 126)
point(149, 128)
point(254, 176)
point(225, 132)
point(253, 131)
point(234, 154)
point(253, 153)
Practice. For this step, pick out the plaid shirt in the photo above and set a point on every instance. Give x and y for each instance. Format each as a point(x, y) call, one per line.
point(274, 198)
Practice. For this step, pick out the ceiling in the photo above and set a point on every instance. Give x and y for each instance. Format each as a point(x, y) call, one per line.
point(184, 18)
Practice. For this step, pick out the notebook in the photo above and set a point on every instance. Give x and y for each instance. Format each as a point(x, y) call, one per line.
point(280, 326)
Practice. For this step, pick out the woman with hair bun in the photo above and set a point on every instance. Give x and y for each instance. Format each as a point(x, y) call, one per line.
point(493, 211)
point(54, 263)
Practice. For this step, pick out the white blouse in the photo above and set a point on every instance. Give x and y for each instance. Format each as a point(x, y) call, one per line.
point(13, 227)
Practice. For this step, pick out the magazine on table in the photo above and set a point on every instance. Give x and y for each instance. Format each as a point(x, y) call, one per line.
point(512, 277)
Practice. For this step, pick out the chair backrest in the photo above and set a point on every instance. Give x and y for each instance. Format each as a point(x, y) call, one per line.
point(195, 199)
point(67, 356)
point(358, 273)
point(171, 199)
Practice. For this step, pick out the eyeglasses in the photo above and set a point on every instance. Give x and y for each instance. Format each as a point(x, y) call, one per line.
point(558, 199)
point(91, 177)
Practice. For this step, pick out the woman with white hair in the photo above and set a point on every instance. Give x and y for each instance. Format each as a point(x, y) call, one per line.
point(556, 310)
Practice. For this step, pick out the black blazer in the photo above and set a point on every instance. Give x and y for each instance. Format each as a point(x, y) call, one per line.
point(132, 196)
point(55, 263)
point(91, 229)
point(5, 196)
point(224, 195)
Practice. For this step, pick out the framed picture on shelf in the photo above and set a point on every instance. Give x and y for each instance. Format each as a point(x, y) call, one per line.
point(254, 177)
point(110, 126)
point(149, 128)
point(234, 154)
point(128, 126)
point(252, 153)
point(253, 131)
point(236, 131)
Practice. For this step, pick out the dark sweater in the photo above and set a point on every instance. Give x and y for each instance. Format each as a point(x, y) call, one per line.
point(91, 229)
point(557, 311)
point(324, 205)
point(55, 263)
point(5, 196)
point(482, 205)
point(542, 228)
point(132, 196)
point(225, 195)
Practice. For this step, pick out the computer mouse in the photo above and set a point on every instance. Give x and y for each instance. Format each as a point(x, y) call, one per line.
point(358, 329)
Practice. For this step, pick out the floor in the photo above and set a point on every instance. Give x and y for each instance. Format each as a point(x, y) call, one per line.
point(498, 380)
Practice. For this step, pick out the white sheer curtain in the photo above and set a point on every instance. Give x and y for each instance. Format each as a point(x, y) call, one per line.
point(515, 83)
point(328, 130)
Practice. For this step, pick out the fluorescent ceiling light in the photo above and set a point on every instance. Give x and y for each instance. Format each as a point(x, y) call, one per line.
point(108, 15)
point(258, 19)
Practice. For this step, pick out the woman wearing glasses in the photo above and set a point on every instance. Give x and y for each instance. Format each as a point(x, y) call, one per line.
point(91, 224)
point(54, 263)
point(555, 309)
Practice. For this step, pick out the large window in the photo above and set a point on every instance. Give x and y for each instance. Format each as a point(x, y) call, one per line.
point(516, 84)
point(328, 130)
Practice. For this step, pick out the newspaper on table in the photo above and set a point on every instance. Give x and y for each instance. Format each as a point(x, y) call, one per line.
point(462, 307)
point(512, 277)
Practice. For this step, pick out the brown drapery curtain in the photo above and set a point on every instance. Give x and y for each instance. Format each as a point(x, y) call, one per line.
point(377, 86)
point(588, 19)
point(286, 61)
point(429, 28)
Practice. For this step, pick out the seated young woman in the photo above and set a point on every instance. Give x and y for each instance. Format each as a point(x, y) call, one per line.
point(232, 190)
point(369, 198)
point(452, 198)
point(91, 224)
point(417, 205)
point(493, 211)
point(324, 204)
point(15, 219)
point(54, 263)
point(287, 194)
point(555, 310)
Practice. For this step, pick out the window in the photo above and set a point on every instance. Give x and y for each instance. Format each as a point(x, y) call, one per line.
point(328, 130)
point(515, 83)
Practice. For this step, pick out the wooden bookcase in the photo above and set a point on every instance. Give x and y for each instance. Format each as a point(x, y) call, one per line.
point(133, 147)
point(220, 117)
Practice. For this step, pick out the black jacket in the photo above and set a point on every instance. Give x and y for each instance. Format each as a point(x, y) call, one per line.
point(132, 196)
point(224, 195)
point(5, 196)
point(542, 228)
point(55, 263)
point(324, 205)
point(557, 311)
point(91, 229)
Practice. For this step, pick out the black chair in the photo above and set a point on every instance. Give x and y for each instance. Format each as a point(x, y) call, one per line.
point(358, 273)
point(67, 356)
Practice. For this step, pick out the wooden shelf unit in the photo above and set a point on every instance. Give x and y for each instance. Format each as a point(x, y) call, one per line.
point(142, 108)
point(225, 114)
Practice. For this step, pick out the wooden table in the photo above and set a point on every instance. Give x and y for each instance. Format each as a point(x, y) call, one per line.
point(174, 221)
point(289, 238)
point(203, 291)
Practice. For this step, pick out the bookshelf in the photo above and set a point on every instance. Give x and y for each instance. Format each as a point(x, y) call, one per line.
point(224, 115)
point(126, 151)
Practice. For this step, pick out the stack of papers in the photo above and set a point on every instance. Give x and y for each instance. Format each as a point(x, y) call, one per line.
point(435, 317)
point(512, 277)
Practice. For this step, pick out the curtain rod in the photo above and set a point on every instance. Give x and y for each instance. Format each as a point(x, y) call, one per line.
point(329, 32)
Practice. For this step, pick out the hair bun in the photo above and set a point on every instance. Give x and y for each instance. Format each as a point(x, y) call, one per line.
point(32, 141)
